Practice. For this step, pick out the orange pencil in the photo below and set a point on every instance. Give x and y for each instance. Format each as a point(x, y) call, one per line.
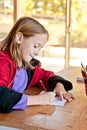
point(42, 85)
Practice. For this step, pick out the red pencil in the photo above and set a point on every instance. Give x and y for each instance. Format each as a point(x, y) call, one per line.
point(42, 85)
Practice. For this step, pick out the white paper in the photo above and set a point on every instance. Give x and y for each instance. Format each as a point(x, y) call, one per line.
point(57, 101)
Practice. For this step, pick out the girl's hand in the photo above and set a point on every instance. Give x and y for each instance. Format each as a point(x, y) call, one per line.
point(47, 98)
point(62, 93)
point(42, 99)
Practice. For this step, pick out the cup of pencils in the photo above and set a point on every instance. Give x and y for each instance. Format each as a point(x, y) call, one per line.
point(84, 75)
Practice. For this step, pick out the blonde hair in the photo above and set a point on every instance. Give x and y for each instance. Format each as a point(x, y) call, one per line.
point(28, 27)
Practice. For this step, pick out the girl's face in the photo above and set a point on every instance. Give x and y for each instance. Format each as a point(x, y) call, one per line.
point(31, 46)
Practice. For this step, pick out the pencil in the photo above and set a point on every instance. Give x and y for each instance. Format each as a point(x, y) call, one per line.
point(82, 65)
point(42, 85)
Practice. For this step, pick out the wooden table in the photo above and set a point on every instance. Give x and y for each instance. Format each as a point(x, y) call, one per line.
point(73, 116)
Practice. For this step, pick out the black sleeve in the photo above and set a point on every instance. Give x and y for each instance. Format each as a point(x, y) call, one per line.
point(8, 98)
point(54, 79)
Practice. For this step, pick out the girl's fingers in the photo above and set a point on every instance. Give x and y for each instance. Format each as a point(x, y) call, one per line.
point(71, 95)
point(61, 96)
point(68, 96)
point(53, 96)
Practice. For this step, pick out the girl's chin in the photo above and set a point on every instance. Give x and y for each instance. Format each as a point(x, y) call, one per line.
point(28, 60)
point(29, 65)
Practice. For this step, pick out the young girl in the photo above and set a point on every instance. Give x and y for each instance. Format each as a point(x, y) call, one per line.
point(18, 50)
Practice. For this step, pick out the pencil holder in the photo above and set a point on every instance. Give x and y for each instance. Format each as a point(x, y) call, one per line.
point(86, 88)
point(85, 80)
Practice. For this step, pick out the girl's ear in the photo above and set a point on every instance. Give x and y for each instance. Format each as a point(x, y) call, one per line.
point(19, 38)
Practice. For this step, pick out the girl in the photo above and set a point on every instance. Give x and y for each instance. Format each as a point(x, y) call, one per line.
point(18, 49)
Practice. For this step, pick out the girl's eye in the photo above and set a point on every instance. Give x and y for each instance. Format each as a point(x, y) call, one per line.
point(35, 46)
